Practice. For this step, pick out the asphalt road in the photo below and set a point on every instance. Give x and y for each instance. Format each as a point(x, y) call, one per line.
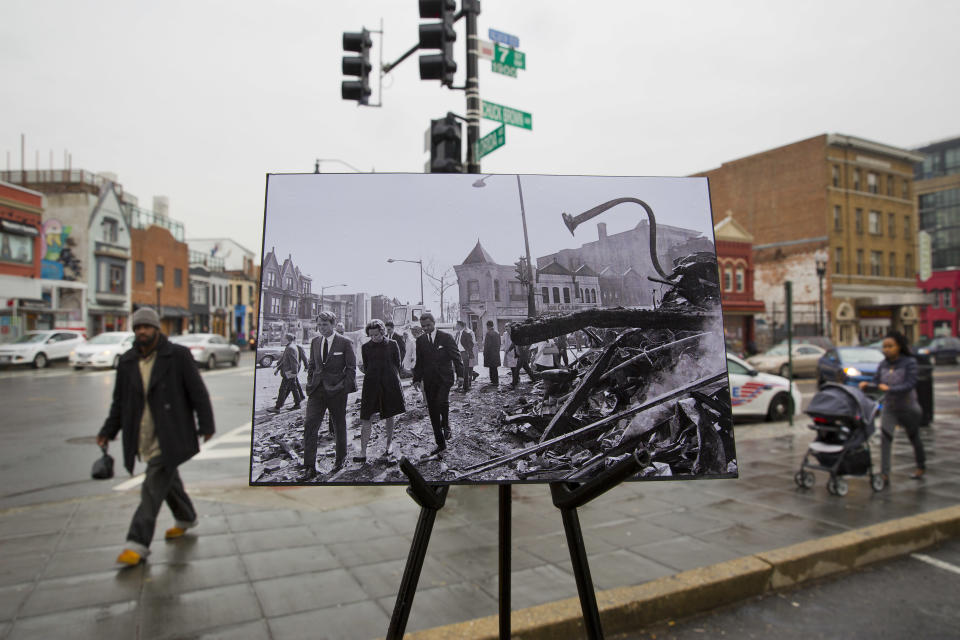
point(912, 597)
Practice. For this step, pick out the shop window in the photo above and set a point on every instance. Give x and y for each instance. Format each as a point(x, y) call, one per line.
point(16, 248)
point(566, 295)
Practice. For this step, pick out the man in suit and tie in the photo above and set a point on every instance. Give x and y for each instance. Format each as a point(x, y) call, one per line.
point(438, 359)
point(331, 376)
point(463, 338)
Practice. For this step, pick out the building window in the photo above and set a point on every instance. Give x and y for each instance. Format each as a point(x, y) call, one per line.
point(858, 220)
point(496, 290)
point(892, 225)
point(905, 189)
point(740, 279)
point(178, 278)
point(859, 262)
point(271, 279)
point(545, 295)
point(871, 182)
point(835, 170)
point(890, 185)
point(873, 222)
point(109, 226)
point(556, 295)
point(876, 263)
point(856, 179)
point(947, 298)
point(907, 230)
point(837, 218)
point(292, 306)
point(473, 290)
point(16, 248)
point(275, 305)
point(288, 283)
point(727, 279)
point(893, 265)
point(566, 295)
point(116, 279)
point(515, 290)
point(908, 266)
point(838, 260)
point(159, 273)
point(594, 295)
point(139, 271)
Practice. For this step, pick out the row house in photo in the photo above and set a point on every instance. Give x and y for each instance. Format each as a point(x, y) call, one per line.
point(845, 200)
point(86, 250)
point(288, 303)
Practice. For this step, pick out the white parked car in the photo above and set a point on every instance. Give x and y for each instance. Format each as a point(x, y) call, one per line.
point(40, 347)
point(103, 350)
point(209, 349)
point(753, 393)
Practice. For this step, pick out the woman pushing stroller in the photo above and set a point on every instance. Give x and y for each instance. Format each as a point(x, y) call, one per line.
point(896, 377)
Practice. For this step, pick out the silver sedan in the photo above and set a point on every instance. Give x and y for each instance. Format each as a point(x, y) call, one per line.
point(209, 349)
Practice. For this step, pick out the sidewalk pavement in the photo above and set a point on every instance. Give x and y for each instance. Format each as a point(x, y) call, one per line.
point(327, 561)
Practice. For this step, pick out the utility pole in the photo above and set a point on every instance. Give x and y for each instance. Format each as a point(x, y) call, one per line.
point(471, 9)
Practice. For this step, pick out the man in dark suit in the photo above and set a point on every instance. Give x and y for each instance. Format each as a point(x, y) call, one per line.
point(288, 366)
point(331, 376)
point(464, 341)
point(396, 337)
point(438, 359)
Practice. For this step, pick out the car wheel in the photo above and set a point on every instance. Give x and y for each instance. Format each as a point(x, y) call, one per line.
point(236, 360)
point(785, 371)
point(779, 408)
point(40, 361)
point(266, 361)
point(77, 367)
point(116, 362)
point(212, 362)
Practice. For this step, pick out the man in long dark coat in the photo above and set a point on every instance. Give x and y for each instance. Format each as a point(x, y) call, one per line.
point(438, 359)
point(158, 390)
point(491, 353)
point(288, 366)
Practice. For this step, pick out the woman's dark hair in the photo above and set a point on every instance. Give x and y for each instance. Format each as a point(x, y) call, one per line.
point(901, 341)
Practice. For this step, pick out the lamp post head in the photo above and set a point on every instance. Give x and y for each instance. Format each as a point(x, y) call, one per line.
point(391, 260)
point(480, 183)
point(159, 286)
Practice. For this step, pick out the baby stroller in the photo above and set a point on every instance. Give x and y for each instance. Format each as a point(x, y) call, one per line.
point(843, 418)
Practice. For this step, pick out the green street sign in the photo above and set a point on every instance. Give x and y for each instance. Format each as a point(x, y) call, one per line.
point(503, 69)
point(509, 57)
point(492, 141)
point(506, 115)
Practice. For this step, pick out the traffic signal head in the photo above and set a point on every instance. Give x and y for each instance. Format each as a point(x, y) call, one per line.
point(359, 66)
point(523, 273)
point(445, 145)
point(438, 35)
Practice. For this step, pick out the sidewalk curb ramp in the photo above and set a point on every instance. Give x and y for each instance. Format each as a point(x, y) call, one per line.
point(683, 594)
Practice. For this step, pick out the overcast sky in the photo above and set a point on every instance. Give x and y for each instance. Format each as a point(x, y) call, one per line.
point(198, 100)
point(340, 229)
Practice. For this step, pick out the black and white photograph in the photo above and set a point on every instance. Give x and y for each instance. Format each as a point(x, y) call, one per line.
point(488, 328)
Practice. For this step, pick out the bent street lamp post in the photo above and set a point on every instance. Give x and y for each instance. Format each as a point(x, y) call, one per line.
point(821, 259)
point(324, 288)
point(419, 262)
point(531, 302)
point(159, 289)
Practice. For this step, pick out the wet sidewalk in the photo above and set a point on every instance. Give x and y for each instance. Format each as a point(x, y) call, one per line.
point(326, 562)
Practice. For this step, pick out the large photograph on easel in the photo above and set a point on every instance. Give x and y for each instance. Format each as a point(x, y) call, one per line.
point(489, 329)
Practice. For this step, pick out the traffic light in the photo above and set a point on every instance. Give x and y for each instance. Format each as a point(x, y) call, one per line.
point(438, 35)
point(359, 66)
point(445, 143)
point(523, 273)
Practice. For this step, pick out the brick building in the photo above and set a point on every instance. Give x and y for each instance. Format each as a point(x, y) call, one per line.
point(21, 222)
point(850, 197)
point(161, 267)
point(735, 262)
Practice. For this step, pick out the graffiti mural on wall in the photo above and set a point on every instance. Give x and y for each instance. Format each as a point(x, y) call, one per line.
point(59, 260)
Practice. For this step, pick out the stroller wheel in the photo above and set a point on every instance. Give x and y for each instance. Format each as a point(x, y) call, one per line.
point(877, 483)
point(837, 487)
point(798, 478)
point(804, 479)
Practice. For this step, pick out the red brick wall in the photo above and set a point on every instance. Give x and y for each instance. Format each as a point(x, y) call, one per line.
point(154, 246)
point(23, 208)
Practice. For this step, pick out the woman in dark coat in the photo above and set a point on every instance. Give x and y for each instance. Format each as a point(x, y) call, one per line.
point(381, 385)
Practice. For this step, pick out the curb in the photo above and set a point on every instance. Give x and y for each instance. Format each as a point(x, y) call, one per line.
point(683, 594)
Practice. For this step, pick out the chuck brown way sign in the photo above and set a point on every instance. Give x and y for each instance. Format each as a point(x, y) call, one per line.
point(506, 115)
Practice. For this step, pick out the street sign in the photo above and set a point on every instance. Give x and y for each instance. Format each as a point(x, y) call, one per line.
point(510, 57)
point(923, 252)
point(504, 38)
point(506, 115)
point(485, 49)
point(504, 69)
point(493, 140)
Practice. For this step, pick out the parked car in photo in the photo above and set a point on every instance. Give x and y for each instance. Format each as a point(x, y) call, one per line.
point(849, 365)
point(753, 393)
point(268, 354)
point(209, 349)
point(942, 350)
point(805, 358)
point(103, 350)
point(39, 348)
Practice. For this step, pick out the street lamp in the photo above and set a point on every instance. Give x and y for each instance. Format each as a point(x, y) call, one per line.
point(419, 262)
point(159, 289)
point(821, 258)
point(324, 288)
point(531, 302)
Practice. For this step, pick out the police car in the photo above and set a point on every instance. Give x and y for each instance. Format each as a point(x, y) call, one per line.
point(753, 393)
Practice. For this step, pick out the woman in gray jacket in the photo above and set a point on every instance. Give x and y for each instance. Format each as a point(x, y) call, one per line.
point(896, 376)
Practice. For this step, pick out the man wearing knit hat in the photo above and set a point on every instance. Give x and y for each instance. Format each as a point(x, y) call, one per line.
point(158, 390)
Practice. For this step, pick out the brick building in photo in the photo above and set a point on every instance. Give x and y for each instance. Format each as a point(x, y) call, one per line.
point(846, 196)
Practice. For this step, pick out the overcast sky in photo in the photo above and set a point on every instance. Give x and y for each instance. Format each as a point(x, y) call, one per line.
point(198, 100)
point(341, 228)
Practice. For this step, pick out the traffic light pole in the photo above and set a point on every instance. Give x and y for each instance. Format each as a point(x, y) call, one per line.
point(471, 9)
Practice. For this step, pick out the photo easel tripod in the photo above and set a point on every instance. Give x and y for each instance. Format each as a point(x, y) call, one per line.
point(567, 497)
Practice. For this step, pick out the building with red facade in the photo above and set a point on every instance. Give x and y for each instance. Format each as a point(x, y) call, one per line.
point(939, 317)
point(735, 261)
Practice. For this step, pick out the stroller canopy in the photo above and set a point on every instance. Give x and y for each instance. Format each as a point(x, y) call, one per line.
point(841, 401)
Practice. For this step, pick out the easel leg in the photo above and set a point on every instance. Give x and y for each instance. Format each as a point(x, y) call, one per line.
point(581, 571)
point(430, 500)
point(505, 544)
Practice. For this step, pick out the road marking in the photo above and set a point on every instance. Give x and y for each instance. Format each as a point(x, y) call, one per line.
point(208, 451)
point(940, 564)
point(221, 372)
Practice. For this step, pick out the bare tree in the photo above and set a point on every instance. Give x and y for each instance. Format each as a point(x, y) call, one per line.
point(440, 281)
